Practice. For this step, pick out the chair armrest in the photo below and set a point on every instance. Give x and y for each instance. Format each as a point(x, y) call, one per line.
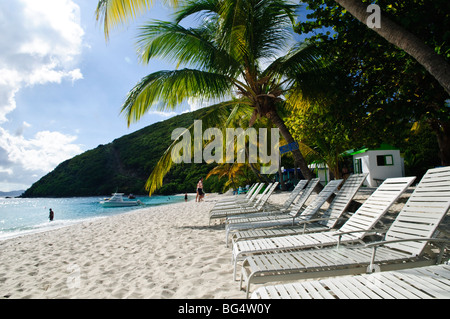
point(380, 243)
point(374, 231)
point(320, 219)
point(306, 222)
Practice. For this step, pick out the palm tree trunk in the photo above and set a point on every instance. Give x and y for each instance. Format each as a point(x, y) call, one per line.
point(442, 131)
point(280, 175)
point(435, 64)
point(298, 157)
point(262, 178)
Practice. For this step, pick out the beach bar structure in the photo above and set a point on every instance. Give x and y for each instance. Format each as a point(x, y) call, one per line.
point(381, 163)
point(290, 176)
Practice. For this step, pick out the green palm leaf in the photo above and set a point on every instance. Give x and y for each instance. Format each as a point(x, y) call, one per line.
point(165, 90)
point(116, 12)
point(214, 117)
point(192, 46)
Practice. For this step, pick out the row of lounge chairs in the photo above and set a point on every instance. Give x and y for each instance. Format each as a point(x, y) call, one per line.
point(252, 205)
point(290, 244)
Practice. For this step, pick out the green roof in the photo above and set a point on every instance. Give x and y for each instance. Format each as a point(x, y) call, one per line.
point(363, 150)
point(383, 147)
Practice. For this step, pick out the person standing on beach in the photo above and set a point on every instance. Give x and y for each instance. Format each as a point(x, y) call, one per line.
point(199, 190)
point(51, 215)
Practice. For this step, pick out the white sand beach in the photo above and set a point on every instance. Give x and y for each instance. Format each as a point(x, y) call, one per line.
point(160, 252)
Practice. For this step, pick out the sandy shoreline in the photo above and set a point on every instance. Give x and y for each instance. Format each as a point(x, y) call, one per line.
point(165, 251)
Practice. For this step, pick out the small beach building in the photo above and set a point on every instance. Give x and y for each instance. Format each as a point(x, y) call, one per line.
point(381, 163)
point(322, 171)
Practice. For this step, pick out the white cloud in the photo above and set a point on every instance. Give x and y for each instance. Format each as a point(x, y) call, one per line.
point(20, 130)
point(41, 44)
point(163, 114)
point(195, 104)
point(7, 100)
point(35, 156)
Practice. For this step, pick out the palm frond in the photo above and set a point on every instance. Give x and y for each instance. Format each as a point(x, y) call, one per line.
point(160, 170)
point(115, 12)
point(165, 90)
point(187, 46)
point(262, 26)
point(213, 117)
point(301, 58)
point(220, 170)
point(241, 110)
point(207, 8)
point(307, 72)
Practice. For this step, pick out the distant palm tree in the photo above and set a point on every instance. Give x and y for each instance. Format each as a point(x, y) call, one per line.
point(232, 171)
point(233, 52)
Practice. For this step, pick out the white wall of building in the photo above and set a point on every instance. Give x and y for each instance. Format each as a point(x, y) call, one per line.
point(393, 166)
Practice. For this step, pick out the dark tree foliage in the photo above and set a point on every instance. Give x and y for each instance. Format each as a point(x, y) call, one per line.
point(380, 88)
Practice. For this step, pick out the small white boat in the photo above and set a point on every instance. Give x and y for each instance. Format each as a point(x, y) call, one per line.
point(117, 201)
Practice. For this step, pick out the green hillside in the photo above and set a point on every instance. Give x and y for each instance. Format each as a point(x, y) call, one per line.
point(125, 165)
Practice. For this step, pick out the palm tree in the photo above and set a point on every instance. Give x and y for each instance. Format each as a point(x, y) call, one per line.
point(226, 53)
point(114, 12)
point(234, 172)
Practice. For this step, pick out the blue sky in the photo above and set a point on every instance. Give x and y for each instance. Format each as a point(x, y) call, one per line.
point(62, 85)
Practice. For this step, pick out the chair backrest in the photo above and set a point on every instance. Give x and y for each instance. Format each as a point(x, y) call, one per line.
point(263, 194)
point(342, 199)
point(423, 212)
point(319, 200)
point(373, 209)
point(250, 190)
point(307, 191)
point(294, 193)
point(304, 196)
point(268, 191)
point(256, 192)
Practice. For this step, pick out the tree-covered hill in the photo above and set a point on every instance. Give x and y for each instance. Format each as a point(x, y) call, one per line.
point(124, 165)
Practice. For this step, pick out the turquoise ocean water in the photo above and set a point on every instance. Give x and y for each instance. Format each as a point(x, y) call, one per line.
point(21, 216)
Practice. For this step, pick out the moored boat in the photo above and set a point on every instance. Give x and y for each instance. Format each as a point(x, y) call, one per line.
point(117, 201)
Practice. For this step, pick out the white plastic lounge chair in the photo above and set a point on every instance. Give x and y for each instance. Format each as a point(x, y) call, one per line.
point(293, 195)
point(253, 202)
point(327, 221)
point(431, 282)
point(283, 219)
point(363, 220)
point(258, 206)
point(403, 245)
point(239, 198)
point(294, 211)
point(239, 203)
point(287, 205)
point(255, 199)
